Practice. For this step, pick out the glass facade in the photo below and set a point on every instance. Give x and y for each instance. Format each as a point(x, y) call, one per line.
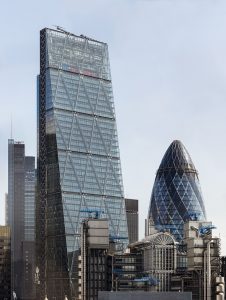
point(29, 199)
point(78, 159)
point(176, 195)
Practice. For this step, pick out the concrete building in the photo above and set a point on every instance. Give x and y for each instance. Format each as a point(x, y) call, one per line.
point(132, 219)
point(203, 261)
point(159, 252)
point(5, 263)
point(93, 275)
point(125, 269)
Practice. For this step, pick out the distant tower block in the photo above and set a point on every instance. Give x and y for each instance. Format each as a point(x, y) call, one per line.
point(176, 195)
point(132, 219)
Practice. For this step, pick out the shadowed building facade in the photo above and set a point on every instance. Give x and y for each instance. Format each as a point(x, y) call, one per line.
point(78, 157)
point(20, 215)
point(176, 195)
point(132, 219)
point(15, 209)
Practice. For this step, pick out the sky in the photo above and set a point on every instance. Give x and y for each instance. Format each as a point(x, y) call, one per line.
point(168, 64)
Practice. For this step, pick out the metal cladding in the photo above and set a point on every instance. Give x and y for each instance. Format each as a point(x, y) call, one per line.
point(176, 195)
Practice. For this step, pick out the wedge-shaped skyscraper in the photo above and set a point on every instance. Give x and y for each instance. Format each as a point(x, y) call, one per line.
point(79, 169)
point(176, 195)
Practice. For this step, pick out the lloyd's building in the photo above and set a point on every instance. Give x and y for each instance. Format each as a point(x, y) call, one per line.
point(79, 166)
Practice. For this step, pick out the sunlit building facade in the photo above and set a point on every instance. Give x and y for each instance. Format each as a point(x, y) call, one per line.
point(176, 196)
point(79, 167)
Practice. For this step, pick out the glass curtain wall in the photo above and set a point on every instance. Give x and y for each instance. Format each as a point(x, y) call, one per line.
point(79, 171)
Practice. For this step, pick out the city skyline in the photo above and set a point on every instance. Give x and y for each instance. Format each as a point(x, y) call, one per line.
point(158, 80)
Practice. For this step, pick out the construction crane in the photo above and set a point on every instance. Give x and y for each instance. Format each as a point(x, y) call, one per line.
point(206, 229)
point(203, 230)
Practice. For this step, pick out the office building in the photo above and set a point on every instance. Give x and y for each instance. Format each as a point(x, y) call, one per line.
point(93, 259)
point(203, 262)
point(127, 268)
point(159, 251)
point(176, 195)
point(132, 219)
point(20, 213)
point(78, 154)
point(6, 209)
point(5, 263)
point(28, 270)
point(16, 157)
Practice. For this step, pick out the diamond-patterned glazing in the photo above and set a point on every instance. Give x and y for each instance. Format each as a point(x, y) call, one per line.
point(83, 168)
point(176, 195)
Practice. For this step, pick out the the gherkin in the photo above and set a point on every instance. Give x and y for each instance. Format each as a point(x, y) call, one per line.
point(176, 195)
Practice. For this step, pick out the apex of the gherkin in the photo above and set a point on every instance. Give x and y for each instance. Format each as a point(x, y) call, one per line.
point(177, 157)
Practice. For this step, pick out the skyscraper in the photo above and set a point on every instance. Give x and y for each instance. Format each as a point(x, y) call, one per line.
point(20, 218)
point(16, 157)
point(78, 157)
point(176, 195)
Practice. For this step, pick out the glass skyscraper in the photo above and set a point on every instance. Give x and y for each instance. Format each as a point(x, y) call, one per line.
point(79, 167)
point(176, 195)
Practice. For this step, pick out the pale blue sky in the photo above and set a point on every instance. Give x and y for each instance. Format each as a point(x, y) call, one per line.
point(168, 62)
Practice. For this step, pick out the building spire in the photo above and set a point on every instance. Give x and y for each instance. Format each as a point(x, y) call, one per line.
point(11, 126)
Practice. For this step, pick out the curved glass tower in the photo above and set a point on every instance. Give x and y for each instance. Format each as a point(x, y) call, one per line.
point(176, 196)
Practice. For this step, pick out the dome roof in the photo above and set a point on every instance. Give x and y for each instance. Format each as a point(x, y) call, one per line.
point(177, 157)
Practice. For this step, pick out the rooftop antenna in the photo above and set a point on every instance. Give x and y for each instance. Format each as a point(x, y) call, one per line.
point(11, 127)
